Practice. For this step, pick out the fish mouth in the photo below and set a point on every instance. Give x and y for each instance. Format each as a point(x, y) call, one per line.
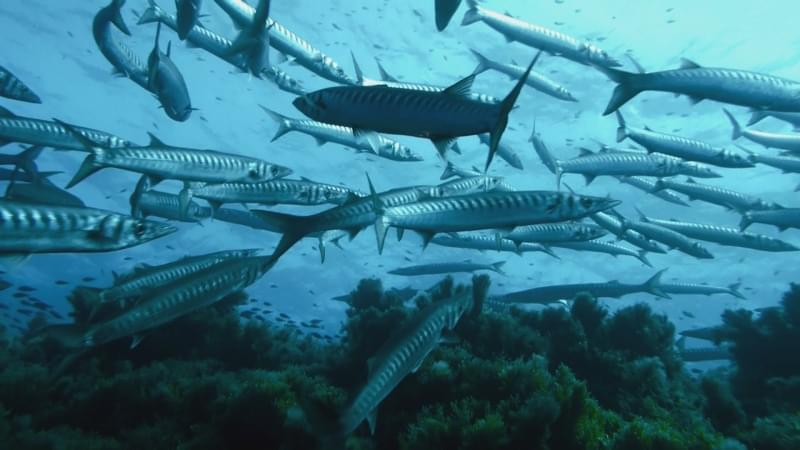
point(160, 229)
point(282, 172)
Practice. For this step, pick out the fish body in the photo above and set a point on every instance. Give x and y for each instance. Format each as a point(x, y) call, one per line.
point(165, 80)
point(445, 268)
point(614, 225)
point(468, 185)
point(13, 88)
point(648, 186)
point(701, 354)
point(727, 198)
point(483, 242)
point(536, 80)
point(701, 289)
point(725, 235)
point(788, 164)
point(168, 206)
point(608, 248)
point(556, 232)
point(784, 141)
point(670, 238)
point(123, 59)
point(792, 118)
point(25, 177)
point(782, 218)
point(187, 13)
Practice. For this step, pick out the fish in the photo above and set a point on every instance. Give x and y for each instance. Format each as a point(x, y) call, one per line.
point(46, 133)
point(536, 80)
point(782, 218)
point(556, 232)
point(726, 198)
point(161, 161)
point(165, 80)
point(147, 202)
point(736, 87)
point(787, 164)
point(324, 132)
point(700, 354)
point(444, 10)
point(42, 193)
point(536, 36)
point(610, 289)
point(672, 239)
point(451, 171)
point(783, 141)
point(219, 46)
point(702, 289)
point(445, 268)
point(679, 146)
point(122, 58)
point(253, 40)
point(187, 13)
point(172, 301)
point(439, 116)
point(13, 88)
point(503, 151)
point(610, 222)
point(288, 43)
point(468, 185)
point(17, 176)
point(725, 235)
point(608, 248)
point(35, 228)
point(647, 185)
point(792, 118)
point(484, 242)
point(24, 161)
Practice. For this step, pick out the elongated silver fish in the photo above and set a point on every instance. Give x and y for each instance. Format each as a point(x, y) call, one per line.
point(702, 289)
point(187, 13)
point(13, 88)
point(146, 202)
point(536, 80)
point(791, 118)
point(16, 175)
point(46, 133)
point(555, 232)
point(784, 141)
point(783, 218)
point(536, 36)
point(324, 132)
point(608, 248)
point(679, 146)
point(439, 116)
point(172, 301)
point(160, 161)
point(122, 58)
point(484, 242)
point(702, 354)
point(727, 198)
point(611, 223)
point(24, 161)
point(27, 228)
point(469, 185)
point(736, 87)
point(219, 46)
point(288, 43)
point(612, 289)
point(704, 333)
point(725, 235)
point(648, 185)
point(444, 10)
point(445, 268)
point(672, 239)
point(788, 164)
point(165, 80)
point(503, 151)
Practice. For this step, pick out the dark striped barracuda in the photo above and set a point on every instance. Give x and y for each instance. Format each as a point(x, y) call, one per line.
point(648, 185)
point(325, 132)
point(445, 268)
point(483, 242)
point(607, 248)
point(536, 80)
point(444, 10)
point(404, 352)
point(503, 151)
point(171, 301)
point(555, 232)
point(788, 164)
point(187, 13)
point(488, 210)
point(725, 235)
point(672, 239)
point(219, 46)
point(125, 62)
point(438, 116)
point(288, 43)
point(611, 223)
point(27, 228)
point(681, 147)
point(736, 87)
point(610, 289)
point(46, 133)
point(702, 289)
point(783, 141)
point(702, 354)
point(11, 87)
point(792, 118)
point(782, 218)
point(146, 202)
point(160, 161)
point(165, 80)
point(727, 198)
point(536, 36)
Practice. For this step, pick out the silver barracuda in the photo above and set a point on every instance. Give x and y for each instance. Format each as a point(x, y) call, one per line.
point(727, 198)
point(468, 185)
point(556, 232)
point(536, 80)
point(607, 248)
point(614, 225)
point(13, 88)
point(648, 185)
point(702, 289)
point(451, 170)
point(672, 239)
point(782, 218)
point(122, 58)
point(787, 164)
point(25, 177)
point(485, 242)
point(705, 333)
point(725, 235)
point(445, 268)
point(165, 80)
point(783, 141)
point(146, 202)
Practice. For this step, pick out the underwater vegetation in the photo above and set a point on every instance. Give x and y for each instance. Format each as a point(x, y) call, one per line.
point(576, 378)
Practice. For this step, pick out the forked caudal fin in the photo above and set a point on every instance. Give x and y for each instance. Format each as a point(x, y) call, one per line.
point(89, 165)
point(736, 133)
point(733, 289)
point(473, 14)
point(626, 87)
point(152, 14)
point(292, 227)
point(653, 285)
point(284, 123)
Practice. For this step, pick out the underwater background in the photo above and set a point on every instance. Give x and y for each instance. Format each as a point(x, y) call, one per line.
point(596, 374)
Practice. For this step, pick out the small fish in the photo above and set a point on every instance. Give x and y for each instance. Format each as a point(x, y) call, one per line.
point(11, 87)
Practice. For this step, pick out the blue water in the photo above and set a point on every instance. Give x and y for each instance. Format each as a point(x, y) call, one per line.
point(49, 45)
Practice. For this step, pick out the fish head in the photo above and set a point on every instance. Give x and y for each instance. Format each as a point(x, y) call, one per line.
point(326, 64)
point(742, 160)
point(264, 171)
point(139, 231)
point(598, 56)
point(588, 232)
point(401, 152)
point(176, 104)
point(582, 205)
point(314, 106)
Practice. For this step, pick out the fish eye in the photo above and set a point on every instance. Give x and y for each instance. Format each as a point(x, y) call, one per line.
point(253, 173)
point(587, 202)
point(139, 229)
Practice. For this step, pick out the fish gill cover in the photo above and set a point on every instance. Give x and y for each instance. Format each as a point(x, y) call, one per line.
point(185, 195)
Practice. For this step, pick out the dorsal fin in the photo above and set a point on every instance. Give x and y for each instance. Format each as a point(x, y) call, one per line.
point(154, 141)
point(169, 48)
point(689, 64)
point(509, 15)
point(690, 180)
point(4, 112)
point(461, 88)
point(648, 128)
point(583, 151)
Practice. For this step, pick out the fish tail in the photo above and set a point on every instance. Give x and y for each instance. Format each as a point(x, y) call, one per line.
point(757, 116)
point(643, 258)
point(653, 285)
point(87, 168)
point(745, 222)
point(26, 160)
point(505, 109)
point(152, 14)
point(449, 171)
point(734, 291)
point(472, 15)
point(115, 9)
point(292, 227)
point(622, 130)
point(736, 133)
point(284, 123)
point(626, 88)
point(483, 62)
point(498, 267)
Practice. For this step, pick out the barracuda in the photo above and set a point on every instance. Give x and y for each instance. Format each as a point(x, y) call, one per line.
point(545, 39)
point(783, 141)
point(672, 239)
point(604, 247)
point(483, 242)
point(701, 354)
point(727, 198)
point(325, 132)
point(681, 147)
point(445, 268)
point(41, 192)
point(27, 228)
point(725, 235)
point(125, 62)
point(468, 185)
point(146, 202)
point(439, 116)
point(160, 161)
point(219, 46)
point(13, 88)
point(503, 151)
point(536, 80)
point(46, 133)
point(612, 289)
point(781, 218)
point(702, 289)
point(705, 333)
point(614, 225)
point(648, 186)
point(791, 118)
point(451, 170)
point(788, 164)
point(555, 232)
point(736, 87)
point(165, 80)
point(288, 43)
